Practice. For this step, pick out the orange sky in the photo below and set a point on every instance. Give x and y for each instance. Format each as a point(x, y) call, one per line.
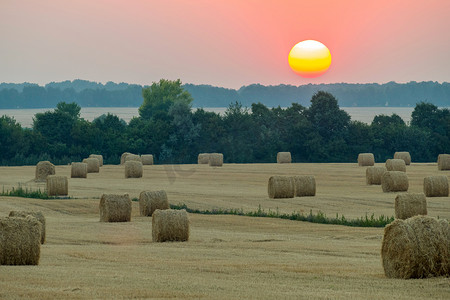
point(226, 43)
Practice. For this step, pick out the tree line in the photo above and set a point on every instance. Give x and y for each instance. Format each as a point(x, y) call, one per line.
point(167, 128)
point(92, 94)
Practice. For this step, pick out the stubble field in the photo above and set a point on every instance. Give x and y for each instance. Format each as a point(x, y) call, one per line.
point(226, 256)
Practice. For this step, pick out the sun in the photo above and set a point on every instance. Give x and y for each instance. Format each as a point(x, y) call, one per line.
point(309, 58)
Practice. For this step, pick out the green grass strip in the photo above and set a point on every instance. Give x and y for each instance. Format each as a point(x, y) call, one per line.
point(320, 217)
point(25, 193)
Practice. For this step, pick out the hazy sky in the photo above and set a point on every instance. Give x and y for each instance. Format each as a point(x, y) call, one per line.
point(226, 43)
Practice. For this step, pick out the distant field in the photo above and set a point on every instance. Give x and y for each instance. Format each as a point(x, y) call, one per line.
point(226, 256)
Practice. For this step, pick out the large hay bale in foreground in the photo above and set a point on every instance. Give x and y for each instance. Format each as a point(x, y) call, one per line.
point(284, 157)
point(170, 225)
point(43, 169)
point(396, 165)
point(415, 248)
point(133, 169)
point(281, 187)
point(115, 208)
point(93, 165)
point(57, 185)
point(36, 214)
point(435, 186)
point(394, 181)
point(215, 159)
point(304, 186)
point(133, 157)
point(443, 162)
point(147, 159)
point(203, 158)
point(366, 159)
point(373, 175)
point(149, 201)
point(20, 241)
point(123, 157)
point(409, 205)
point(78, 170)
point(99, 157)
point(403, 155)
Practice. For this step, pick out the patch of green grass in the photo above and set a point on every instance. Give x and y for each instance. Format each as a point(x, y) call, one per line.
point(25, 193)
point(319, 217)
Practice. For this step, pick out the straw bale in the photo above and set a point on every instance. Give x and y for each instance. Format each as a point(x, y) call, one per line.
point(93, 165)
point(281, 187)
point(203, 158)
point(36, 214)
point(373, 175)
point(443, 162)
point(133, 157)
point(435, 186)
point(403, 155)
point(396, 165)
point(304, 185)
point(394, 181)
point(78, 170)
point(366, 159)
point(284, 157)
point(57, 185)
point(20, 241)
point(408, 205)
point(133, 169)
point(149, 201)
point(147, 159)
point(215, 159)
point(170, 225)
point(99, 157)
point(43, 169)
point(115, 208)
point(415, 248)
point(123, 156)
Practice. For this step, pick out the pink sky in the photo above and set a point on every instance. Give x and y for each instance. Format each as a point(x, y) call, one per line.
point(227, 43)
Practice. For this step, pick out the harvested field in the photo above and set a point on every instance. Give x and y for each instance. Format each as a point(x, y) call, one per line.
point(226, 256)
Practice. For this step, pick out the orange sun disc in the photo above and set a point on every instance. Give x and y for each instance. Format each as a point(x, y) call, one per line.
point(309, 58)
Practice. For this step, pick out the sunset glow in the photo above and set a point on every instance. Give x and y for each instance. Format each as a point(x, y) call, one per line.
point(309, 58)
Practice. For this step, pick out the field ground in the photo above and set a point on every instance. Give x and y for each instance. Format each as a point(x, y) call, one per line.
point(226, 256)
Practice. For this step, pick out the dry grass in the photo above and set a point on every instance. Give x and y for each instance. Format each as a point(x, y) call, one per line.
point(170, 225)
point(443, 162)
point(304, 185)
point(366, 159)
point(149, 201)
point(43, 169)
point(226, 256)
point(57, 185)
point(373, 175)
point(203, 158)
point(408, 205)
point(99, 157)
point(215, 159)
point(79, 170)
point(435, 186)
point(396, 165)
point(281, 187)
point(394, 181)
point(147, 159)
point(284, 157)
point(93, 165)
point(133, 169)
point(115, 208)
point(403, 155)
point(36, 214)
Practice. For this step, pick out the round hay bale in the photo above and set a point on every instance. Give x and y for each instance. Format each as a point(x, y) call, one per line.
point(78, 170)
point(149, 201)
point(281, 187)
point(147, 159)
point(115, 208)
point(99, 157)
point(133, 157)
point(415, 248)
point(123, 156)
point(43, 169)
point(443, 162)
point(93, 165)
point(396, 165)
point(394, 181)
point(133, 169)
point(373, 175)
point(170, 225)
point(366, 159)
point(203, 158)
point(403, 155)
point(57, 185)
point(304, 186)
point(435, 186)
point(215, 159)
point(284, 157)
point(36, 214)
point(409, 205)
point(20, 241)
